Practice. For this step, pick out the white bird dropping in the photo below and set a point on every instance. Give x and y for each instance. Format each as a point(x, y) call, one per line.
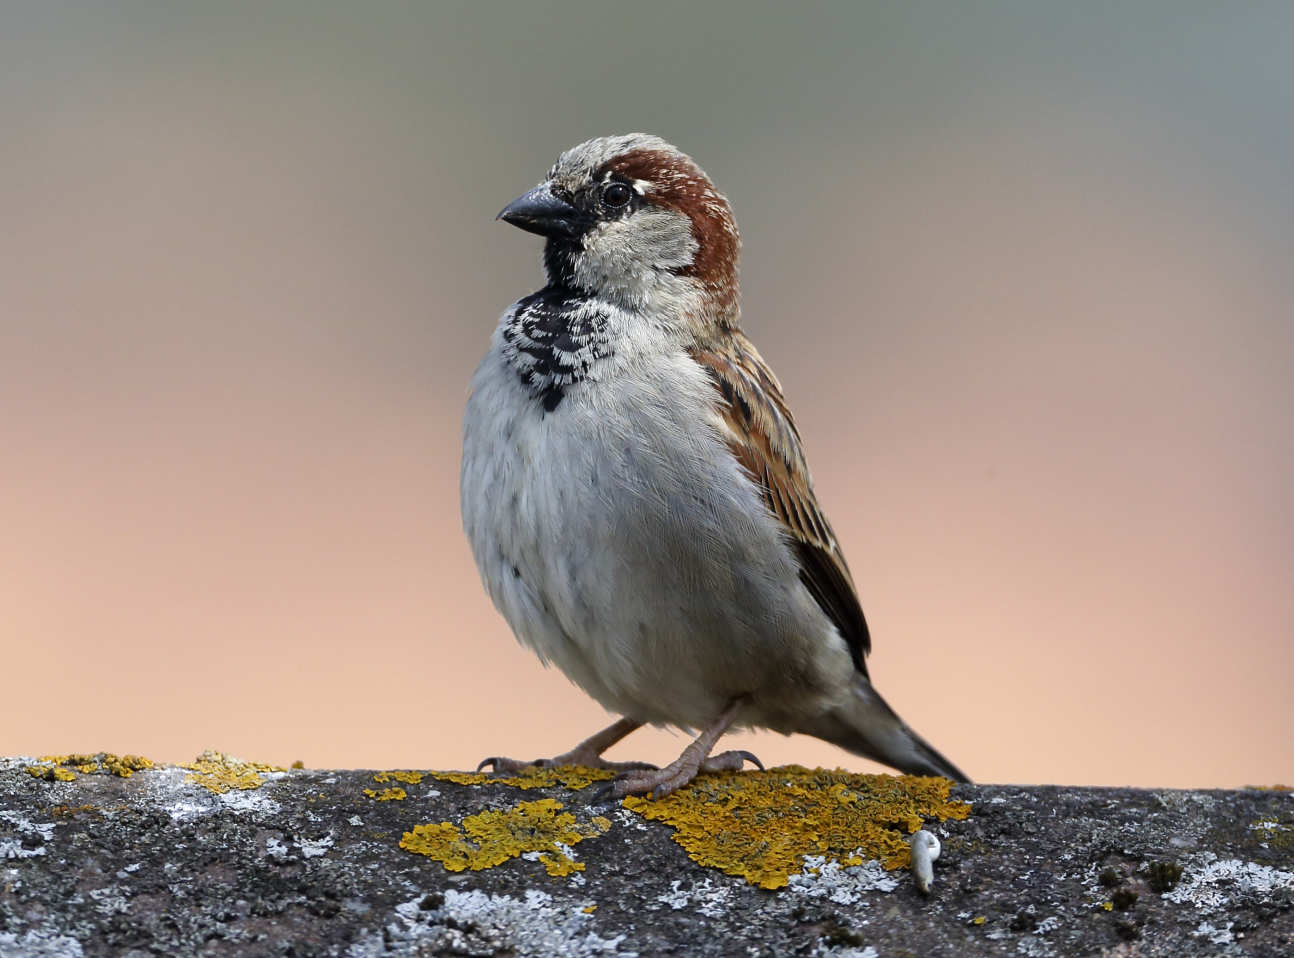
point(925, 849)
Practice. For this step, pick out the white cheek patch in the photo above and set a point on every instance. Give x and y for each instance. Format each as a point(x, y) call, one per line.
point(629, 250)
point(636, 260)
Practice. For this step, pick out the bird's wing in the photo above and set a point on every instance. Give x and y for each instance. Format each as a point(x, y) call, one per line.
point(763, 437)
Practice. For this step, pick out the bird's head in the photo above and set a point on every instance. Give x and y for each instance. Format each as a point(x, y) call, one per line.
point(633, 220)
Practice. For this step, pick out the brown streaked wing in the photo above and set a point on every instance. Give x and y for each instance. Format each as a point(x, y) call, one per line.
point(763, 437)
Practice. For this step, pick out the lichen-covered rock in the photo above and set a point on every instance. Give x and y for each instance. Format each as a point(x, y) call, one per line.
point(107, 855)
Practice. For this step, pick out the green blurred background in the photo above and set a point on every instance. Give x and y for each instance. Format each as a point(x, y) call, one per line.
point(1024, 270)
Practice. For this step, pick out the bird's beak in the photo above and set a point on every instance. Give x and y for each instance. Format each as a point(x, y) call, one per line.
point(539, 211)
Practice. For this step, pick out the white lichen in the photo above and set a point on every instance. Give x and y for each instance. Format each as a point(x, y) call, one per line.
point(316, 847)
point(824, 950)
point(109, 901)
point(704, 896)
point(39, 944)
point(845, 885)
point(1032, 947)
point(252, 800)
point(171, 788)
point(21, 827)
point(1047, 925)
point(473, 922)
point(1210, 883)
point(1215, 935)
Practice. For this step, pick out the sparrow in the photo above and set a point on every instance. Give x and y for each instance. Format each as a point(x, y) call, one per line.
point(635, 491)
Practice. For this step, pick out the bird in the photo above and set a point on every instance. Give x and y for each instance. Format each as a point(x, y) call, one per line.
point(635, 490)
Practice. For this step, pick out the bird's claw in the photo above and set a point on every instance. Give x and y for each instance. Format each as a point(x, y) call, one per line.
point(508, 766)
point(733, 760)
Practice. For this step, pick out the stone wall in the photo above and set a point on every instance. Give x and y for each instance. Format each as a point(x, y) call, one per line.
point(111, 855)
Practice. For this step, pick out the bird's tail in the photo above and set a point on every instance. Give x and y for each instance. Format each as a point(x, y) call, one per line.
point(867, 726)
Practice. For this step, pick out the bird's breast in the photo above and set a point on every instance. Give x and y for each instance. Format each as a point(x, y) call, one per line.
point(621, 539)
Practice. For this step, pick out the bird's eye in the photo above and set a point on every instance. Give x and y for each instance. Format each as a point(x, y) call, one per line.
point(616, 195)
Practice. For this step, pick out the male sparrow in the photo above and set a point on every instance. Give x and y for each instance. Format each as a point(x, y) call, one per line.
point(635, 491)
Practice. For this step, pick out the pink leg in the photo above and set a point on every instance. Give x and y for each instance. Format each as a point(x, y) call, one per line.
point(696, 758)
point(588, 753)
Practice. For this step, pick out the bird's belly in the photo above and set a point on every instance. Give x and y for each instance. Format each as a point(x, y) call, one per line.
point(641, 561)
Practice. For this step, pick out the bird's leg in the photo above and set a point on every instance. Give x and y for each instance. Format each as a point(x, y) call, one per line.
point(695, 758)
point(587, 754)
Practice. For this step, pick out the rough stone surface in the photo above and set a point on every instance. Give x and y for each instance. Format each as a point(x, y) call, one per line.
point(309, 863)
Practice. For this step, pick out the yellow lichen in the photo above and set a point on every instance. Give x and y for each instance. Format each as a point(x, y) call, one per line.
point(126, 765)
point(491, 838)
point(395, 794)
point(68, 811)
point(760, 825)
point(560, 865)
point(409, 778)
point(63, 768)
point(218, 772)
point(50, 773)
point(533, 776)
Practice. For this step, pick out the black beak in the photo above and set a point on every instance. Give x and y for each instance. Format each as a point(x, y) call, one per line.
point(539, 211)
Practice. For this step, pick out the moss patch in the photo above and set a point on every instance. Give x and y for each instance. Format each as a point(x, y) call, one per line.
point(1123, 899)
point(760, 825)
point(1274, 833)
point(535, 776)
point(220, 773)
point(1163, 876)
point(63, 768)
point(494, 837)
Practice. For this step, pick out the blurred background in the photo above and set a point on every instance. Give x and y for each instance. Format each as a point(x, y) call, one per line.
point(1024, 271)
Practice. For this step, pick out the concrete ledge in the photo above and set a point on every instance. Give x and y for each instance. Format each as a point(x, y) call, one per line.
point(110, 855)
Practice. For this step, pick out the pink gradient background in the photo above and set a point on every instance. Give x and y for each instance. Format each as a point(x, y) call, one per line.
point(1026, 278)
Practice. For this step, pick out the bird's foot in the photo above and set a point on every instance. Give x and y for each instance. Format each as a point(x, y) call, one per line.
point(663, 781)
point(584, 759)
point(588, 754)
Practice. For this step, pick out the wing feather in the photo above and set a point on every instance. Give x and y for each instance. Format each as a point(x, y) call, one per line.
point(762, 435)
